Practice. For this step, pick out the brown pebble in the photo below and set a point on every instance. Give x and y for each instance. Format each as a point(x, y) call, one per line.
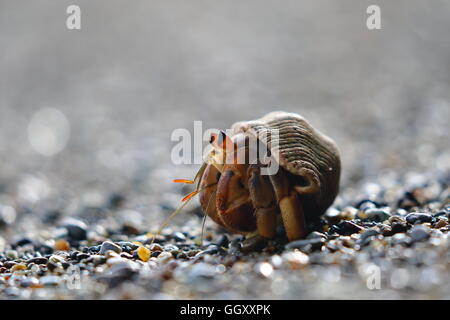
point(19, 266)
point(155, 247)
point(441, 224)
point(62, 245)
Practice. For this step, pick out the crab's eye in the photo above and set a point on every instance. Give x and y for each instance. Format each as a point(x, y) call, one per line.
point(213, 138)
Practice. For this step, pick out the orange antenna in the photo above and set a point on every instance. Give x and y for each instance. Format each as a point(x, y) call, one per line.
point(190, 195)
point(184, 181)
point(186, 199)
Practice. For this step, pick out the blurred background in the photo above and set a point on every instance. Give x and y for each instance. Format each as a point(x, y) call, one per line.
point(87, 114)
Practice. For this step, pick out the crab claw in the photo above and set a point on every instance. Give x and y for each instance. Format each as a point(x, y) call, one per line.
point(233, 200)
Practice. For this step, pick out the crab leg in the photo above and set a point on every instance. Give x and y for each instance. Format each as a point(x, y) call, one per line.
point(208, 195)
point(263, 200)
point(290, 207)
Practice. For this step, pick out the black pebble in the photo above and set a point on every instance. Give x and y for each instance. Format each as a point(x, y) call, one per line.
point(415, 217)
point(38, 260)
point(76, 230)
point(307, 244)
point(223, 241)
point(347, 228)
point(23, 242)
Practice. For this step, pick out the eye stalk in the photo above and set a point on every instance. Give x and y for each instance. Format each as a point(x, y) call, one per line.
point(223, 146)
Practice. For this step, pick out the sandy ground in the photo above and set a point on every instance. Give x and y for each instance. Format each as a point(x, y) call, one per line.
point(87, 115)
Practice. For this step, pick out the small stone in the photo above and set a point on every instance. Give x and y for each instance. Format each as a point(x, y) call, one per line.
point(156, 254)
point(12, 254)
point(441, 224)
point(76, 229)
point(296, 259)
point(62, 245)
point(265, 269)
point(419, 233)
point(366, 204)
point(128, 246)
point(155, 247)
point(332, 215)
point(107, 245)
point(307, 245)
point(80, 256)
point(111, 254)
point(38, 260)
point(399, 227)
point(367, 236)
point(181, 255)
point(223, 241)
point(30, 282)
point(165, 256)
point(23, 242)
point(56, 259)
point(9, 264)
point(374, 214)
point(19, 267)
point(50, 281)
point(143, 253)
point(97, 259)
point(126, 255)
point(178, 236)
point(347, 228)
point(119, 272)
point(315, 235)
point(348, 213)
point(417, 217)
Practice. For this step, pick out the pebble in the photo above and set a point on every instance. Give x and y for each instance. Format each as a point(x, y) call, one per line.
point(9, 264)
point(37, 260)
point(80, 256)
point(76, 229)
point(18, 267)
point(366, 204)
point(419, 233)
point(374, 214)
point(178, 236)
point(441, 224)
point(264, 268)
point(143, 253)
point(62, 245)
point(223, 241)
point(415, 217)
point(119, 273)
point(165, 256)
point(107, 245)
point(155, 247)
point(56, 259)
point(347, 228)
point(127, 245)
point(367, 236)
point(12, 254)
point(50, 281)
point(23, 242)
point(30, 282)
point(296, 259)
point(307, 245)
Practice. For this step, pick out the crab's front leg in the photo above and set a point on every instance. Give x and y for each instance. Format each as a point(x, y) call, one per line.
point(290, 206)
point(266, 209)
point(264, 202)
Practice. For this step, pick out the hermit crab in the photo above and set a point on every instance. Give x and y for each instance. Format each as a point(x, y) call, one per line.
point(240, 194)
